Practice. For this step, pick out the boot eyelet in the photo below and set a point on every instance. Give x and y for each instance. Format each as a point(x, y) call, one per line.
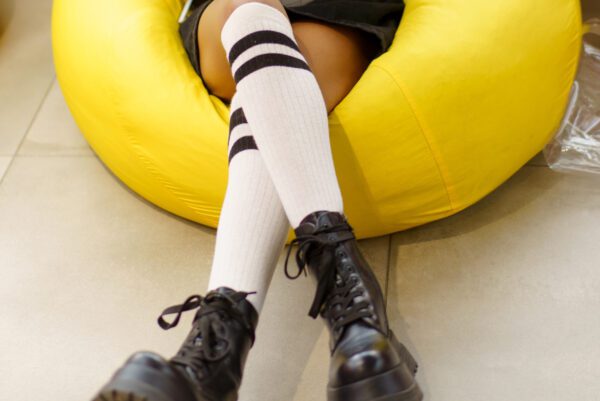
point(340, 254)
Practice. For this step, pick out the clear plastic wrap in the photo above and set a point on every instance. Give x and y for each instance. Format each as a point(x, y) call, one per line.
point(576, 146)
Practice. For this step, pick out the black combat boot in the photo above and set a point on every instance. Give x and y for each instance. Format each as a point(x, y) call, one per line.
point(367, 361)
point(209, 364)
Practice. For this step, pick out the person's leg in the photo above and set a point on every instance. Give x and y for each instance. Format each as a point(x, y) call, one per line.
point(253, 226)
point(286, 110)
point(284, 106)
point(338, 55)
point(223, 328)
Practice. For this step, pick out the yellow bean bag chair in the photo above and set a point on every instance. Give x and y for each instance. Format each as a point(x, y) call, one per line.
point(469, 91)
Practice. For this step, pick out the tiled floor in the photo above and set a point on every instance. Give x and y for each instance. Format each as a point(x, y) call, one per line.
point(498, 303)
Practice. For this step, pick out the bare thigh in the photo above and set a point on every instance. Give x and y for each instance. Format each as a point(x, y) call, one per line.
point(337, 55)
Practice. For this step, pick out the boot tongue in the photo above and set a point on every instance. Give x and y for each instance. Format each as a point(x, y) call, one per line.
point(319, 220)
point(227, 292)
point(319, 234)
point(326, 278)
point(244, 310)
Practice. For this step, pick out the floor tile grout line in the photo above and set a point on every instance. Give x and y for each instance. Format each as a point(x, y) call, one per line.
point(53, 156)
point(28, 129)
point(36, 114)
point(387, 272)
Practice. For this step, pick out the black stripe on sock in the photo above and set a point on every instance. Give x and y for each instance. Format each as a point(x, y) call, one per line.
point(268, 60)
point(244, 143)
point(237, 118)
point(257, 38)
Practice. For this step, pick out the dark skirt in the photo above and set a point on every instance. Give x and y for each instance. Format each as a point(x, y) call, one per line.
point(377, 17)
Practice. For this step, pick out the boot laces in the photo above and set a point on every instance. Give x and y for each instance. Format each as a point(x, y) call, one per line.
point(342, 307)
point(212, 336)
point(337, 287)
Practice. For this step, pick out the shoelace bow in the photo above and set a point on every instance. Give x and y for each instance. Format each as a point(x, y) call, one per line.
point(213, 340)
point(340, 298)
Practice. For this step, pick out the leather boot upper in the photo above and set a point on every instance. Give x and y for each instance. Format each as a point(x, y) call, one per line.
point(348, 298)
point(213, 355)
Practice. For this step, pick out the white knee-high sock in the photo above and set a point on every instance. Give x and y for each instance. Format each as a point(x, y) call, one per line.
point(253, 226)
point(285, 108)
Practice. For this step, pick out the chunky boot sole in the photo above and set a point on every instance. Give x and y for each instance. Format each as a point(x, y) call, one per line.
point(147, 378)
point(385, 386)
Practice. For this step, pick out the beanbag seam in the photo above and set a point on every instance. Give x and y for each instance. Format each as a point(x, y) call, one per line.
point(436, 154)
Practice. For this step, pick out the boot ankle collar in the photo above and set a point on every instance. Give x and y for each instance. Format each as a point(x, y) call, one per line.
point(321, 220)
point(238, 307)
point(325, 232)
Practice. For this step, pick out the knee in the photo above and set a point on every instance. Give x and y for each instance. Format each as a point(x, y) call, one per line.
point(335, 64)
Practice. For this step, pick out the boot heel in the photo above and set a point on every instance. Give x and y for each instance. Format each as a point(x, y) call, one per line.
point(145, 377)
point(406, 356)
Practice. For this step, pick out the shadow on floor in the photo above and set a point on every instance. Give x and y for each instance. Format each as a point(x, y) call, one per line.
point(6, 11)
point(502, 202)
